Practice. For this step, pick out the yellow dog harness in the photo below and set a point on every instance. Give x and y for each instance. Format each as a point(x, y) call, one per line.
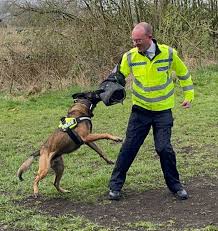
point(67, 124)
point(70, 122)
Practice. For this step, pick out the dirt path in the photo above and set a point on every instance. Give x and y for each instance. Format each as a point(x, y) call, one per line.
point(156, 206)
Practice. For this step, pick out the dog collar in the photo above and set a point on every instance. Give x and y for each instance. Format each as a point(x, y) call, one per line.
point(87, 103)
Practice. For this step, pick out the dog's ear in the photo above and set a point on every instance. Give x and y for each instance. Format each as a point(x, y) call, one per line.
point(78, 95)
point(96, 95)
point(75, 95)
point(98, 92)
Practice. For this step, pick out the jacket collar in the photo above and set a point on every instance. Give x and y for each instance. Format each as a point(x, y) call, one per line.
point(157, 50)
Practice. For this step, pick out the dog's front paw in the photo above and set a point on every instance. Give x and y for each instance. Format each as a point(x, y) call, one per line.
point(36, 195)
point(63, 190)
point(118, 139)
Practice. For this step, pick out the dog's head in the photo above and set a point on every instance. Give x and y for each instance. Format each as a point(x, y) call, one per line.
point(93, 97)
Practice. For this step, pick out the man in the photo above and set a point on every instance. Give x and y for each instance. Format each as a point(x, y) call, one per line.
point(153, 98)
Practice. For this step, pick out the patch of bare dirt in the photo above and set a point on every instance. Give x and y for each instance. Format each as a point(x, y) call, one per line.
point(157, 206)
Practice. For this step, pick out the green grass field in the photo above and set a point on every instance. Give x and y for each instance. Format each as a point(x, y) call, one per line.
point(26, 122)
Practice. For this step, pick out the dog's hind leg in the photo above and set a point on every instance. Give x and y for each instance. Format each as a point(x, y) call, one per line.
point(58, 166)
point(44, 165)
point(93, 146)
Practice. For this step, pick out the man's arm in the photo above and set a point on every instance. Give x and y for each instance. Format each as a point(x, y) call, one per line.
point(117, 77)
point(184, 79)
point(120, 71)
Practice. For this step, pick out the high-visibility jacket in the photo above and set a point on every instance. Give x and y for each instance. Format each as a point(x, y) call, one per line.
point(153, 87)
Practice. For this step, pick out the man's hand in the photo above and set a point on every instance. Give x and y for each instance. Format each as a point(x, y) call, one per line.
point(117, 77)
point(186, 104)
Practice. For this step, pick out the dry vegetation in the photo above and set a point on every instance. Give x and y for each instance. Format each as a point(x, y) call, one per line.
point(54, 44)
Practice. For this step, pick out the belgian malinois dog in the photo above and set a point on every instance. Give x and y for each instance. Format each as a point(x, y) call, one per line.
point(61, 142)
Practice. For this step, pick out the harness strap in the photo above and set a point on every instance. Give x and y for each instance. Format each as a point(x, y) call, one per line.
point(74, 136)
point(80, 119)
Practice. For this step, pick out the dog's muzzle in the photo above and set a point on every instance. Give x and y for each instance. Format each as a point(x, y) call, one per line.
point(113, 93)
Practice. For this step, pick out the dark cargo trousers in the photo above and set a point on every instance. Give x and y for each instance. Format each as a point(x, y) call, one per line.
point(139, 125)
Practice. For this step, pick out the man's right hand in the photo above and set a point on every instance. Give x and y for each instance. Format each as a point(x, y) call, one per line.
point(186, 104)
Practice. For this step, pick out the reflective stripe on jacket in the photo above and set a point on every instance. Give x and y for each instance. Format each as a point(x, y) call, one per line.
point(153, 87)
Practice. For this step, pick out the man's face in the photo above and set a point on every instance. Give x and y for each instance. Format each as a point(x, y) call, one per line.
point(141, 40)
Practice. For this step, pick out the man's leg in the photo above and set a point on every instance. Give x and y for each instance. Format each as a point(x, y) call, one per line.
point(162, 125)
point(138, 128)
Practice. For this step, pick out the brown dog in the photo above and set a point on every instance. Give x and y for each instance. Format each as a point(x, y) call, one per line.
point(61, 142)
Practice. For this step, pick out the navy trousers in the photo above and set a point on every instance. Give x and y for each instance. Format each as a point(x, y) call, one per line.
point(140, 123)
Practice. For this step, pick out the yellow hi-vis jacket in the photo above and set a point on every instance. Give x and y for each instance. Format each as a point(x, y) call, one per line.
point(153, 87)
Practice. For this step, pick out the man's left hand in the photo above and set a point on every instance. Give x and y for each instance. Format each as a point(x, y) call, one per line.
point(186, 104)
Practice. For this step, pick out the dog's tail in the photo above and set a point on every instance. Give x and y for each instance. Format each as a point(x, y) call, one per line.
point(26, 164)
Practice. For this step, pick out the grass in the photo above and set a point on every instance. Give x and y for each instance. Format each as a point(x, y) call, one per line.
point(26, 122)
point(32, 220)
